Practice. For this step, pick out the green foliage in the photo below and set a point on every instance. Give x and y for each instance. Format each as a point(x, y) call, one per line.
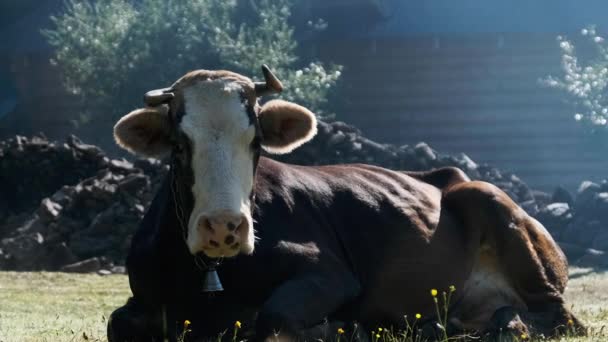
point(111, 51)
point(584, 81)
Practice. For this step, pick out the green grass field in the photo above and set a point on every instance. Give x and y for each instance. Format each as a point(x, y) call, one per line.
point(58, 307)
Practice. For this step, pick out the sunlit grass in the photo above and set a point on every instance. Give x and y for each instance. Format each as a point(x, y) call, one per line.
point(60, 307)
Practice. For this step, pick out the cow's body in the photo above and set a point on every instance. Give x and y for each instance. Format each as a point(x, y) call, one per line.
point(348, 242)
point(343, 243)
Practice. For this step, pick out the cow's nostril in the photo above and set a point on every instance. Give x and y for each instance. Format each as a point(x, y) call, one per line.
point(214, 243)
point(231, 226)
point(241, 226)
point(229, 239)
point(208, 225)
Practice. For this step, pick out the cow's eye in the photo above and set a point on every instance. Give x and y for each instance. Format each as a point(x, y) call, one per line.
point(179, 148)
point(256, 142)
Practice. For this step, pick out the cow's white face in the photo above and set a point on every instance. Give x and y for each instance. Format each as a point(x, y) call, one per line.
point(219, 128)
point(221, 135)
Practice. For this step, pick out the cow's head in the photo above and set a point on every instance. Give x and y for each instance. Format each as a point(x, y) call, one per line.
point(212, 124)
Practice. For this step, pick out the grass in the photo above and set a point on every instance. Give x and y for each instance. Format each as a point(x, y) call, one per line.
point(62, 307)
point(58, 307)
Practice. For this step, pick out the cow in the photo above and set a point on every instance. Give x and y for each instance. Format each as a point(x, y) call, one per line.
point(301, 250)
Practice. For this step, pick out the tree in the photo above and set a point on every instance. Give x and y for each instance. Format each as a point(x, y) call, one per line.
point(111, 51)
point(584, 81)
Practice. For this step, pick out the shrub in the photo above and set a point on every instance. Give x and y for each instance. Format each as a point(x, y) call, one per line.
point(111, 51)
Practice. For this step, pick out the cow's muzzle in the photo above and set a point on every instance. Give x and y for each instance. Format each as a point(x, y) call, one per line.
point(220, 234)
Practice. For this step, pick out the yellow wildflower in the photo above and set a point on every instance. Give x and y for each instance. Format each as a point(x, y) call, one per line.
point(570, 322)
point(452, 288)
point(418, 316)
point(434, 292)
point(237, 324)
point(377, 335)
point(340, 331)
point(524, 336)
point(187, 323)
point(380, 329)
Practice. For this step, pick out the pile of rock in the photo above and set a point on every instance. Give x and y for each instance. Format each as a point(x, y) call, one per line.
point(69, 207)
point(31, 169)
point(81, 227)
point(580, 222)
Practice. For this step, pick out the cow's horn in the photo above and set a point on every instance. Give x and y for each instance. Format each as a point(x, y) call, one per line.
point(158, 96)
point(271, 84)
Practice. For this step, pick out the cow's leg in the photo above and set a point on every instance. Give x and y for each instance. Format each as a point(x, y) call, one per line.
point(518, 249)
point(303, 302)
point(128, 323)
point(133, 323)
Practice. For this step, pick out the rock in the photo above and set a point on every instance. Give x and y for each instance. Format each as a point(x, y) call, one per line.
point(63, 196)
point(59, 256)
point(119, 270)
point(48, 210)
point(530, 207)
point(572, 251)
point(542, 198)
point(84, 266)
point(134, 183)
point(600, 241)
point(32, 169)
point(585, 194)
point(121, 165)
point(588, 186)
point(104, 272)
point(25, 251)
point(593, 258)
point(90, 151)
point(5, 261)
point(466, 163)
point(559, 209)
point(582, 231)
point(425, 151)
point(562, 195)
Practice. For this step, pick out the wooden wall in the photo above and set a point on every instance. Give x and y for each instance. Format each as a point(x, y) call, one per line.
point(477, 94)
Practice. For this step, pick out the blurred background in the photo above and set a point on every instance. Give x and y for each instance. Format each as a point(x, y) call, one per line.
point(463, 76)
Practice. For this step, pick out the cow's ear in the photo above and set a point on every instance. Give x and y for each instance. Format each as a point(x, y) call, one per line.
point(285, 126)
point(145, 132)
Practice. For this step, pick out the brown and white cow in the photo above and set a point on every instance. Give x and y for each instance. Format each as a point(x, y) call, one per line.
point(302, 245)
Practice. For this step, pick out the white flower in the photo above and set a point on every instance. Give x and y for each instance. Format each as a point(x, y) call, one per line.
point(566, 46)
